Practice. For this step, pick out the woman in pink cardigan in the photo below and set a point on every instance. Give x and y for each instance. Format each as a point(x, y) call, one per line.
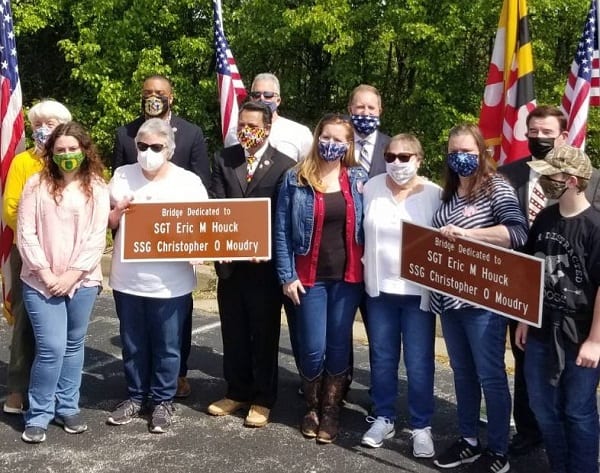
point(61, 233)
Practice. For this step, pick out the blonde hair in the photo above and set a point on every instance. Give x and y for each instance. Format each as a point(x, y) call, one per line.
point(308, 168)
point(409, 139)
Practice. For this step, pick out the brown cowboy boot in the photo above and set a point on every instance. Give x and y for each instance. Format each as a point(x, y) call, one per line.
point(333, 391)
point(312, 395)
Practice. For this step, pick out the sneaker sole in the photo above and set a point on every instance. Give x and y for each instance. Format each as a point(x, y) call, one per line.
point(423, 455)
point(157, 429)
point(369, 443)
point(12, 410)
point(466, 461)
point(27, 439)
point(111, 421)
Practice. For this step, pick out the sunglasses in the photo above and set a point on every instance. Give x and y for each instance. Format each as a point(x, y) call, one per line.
point(255, 94)
point(402, 157)
point(156, 147)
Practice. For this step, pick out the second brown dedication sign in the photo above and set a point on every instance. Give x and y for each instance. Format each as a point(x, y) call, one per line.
point(218, 229)
point(504, 281)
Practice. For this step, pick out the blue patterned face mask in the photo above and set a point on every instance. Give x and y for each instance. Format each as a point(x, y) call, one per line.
point(463, 164)
point(332, 151)
point(365, 124)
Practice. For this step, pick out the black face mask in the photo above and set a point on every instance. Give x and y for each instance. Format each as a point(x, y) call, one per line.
point(540, 147)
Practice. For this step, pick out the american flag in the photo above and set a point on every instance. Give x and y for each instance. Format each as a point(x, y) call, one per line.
point(583, 84)
point(509, 94)
point(12, 133)
point(229, 82)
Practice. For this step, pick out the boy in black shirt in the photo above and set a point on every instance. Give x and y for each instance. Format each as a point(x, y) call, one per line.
point(561, 357)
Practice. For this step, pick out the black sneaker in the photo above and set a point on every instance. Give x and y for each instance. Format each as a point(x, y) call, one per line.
point(33, 434)
point(458, 453)
point(72, 424)
point(490, 462)
point(161, 418)
point(124, 413)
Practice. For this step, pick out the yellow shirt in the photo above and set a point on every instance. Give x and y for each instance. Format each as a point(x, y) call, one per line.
point(23, 166)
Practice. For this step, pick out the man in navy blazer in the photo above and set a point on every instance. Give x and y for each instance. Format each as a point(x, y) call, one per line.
point(365, 108)
point(190, 154)
point(546, 129)
point(248, 292)
point(190, 147)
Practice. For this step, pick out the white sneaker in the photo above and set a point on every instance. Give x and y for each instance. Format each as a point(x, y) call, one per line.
point(382, 428)
point(422, 443)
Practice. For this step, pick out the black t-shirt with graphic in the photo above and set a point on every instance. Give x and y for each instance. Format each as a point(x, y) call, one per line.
point(570, 247)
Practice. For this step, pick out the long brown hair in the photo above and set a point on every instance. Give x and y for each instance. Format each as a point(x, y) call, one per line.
point(308, 168)
point(91, 168)
point(482, 176)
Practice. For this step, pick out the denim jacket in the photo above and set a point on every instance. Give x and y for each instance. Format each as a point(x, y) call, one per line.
point(294, 221)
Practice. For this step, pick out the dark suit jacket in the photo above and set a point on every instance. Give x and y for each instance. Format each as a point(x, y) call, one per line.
point(190, 148)
point(229, 182)
point(377, 161)
point(517, 173)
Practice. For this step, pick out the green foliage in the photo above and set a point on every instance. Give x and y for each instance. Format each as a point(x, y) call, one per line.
point(428, 58)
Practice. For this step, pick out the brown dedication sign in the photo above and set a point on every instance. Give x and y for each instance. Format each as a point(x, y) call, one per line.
point(503, 281)
point(218, 229)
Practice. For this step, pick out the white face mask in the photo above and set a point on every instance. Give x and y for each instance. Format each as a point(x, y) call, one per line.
point(401, 173)
point(150, 160)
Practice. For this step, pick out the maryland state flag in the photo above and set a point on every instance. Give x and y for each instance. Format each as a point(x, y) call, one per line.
point(509, 94)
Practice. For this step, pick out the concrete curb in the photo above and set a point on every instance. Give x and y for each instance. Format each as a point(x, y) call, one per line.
point(205, 300)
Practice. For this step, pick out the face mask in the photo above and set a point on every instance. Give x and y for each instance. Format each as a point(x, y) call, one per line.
point(553, 190)
point(463, 164)
point(540, 147)
point(401, 173)
point(68, 162)
point(154, 106)
point(331, 151)
point(41, 135)
point(150, 160)
point(250, 137)
point(271, 105)
point(365, 124)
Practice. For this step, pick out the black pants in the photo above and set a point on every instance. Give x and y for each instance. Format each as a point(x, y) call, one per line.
point(525, 423)
point(186, 339)
point(250, 309)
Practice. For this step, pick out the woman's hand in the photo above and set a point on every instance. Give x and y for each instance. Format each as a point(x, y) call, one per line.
point(293, 290)
point(64, 283)
point(521, 335)
point(452, 232)
point(115, 213)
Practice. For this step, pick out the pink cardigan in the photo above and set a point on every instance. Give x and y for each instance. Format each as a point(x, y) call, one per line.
point(71, 235)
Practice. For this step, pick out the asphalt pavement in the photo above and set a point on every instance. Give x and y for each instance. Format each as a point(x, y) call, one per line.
point(198, 442)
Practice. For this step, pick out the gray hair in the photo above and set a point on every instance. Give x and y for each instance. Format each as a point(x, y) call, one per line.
point(267, 76)
point(158, 127)
point(49, 109)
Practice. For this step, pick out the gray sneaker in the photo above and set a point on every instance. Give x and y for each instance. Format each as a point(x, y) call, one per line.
point(33, 434)
point(72, 424)
point(382, 428)
point(124, 413)
point(422, 443)
point(161, 418)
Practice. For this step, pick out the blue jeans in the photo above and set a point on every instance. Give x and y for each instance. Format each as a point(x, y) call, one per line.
point(324, 327)
point(151, 330)
point(396, 320)
point(567, 414)
point(476, 340)
point(59, 326)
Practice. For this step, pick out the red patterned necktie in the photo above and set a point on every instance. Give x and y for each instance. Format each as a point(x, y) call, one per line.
point(537, 201)
point(249, 167)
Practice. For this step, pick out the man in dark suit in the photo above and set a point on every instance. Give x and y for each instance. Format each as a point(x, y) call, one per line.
point(248, 292)
point(190, 153)
point(546, 129)
point(365, 108)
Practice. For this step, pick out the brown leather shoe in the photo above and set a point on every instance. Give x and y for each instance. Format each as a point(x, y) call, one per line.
point(225, 407)
point(13, 404)
point(258, 416)
point(183, 388)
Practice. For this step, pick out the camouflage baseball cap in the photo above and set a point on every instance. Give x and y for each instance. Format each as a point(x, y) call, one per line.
point(565, 159)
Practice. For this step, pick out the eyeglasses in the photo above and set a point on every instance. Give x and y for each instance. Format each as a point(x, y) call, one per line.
point(255, 94)
point(402, 157)
point(156, 147)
